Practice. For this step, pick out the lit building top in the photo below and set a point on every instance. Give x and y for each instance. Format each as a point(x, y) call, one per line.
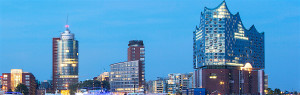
point(67, 35)
point(222, 41)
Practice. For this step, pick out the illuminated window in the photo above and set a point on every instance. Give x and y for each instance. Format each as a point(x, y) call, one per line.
point(213, 76)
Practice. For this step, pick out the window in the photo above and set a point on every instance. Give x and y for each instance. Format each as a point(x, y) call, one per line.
point(142, 59)
point(142, 49)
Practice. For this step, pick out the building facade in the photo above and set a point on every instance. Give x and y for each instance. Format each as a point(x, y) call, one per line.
point(178, 82)
point(222, 46)
point(65, 60)
point(136, 51)
point(157, 86)
point(1, 77)
point(129, 76)
point(124, 77)
point(17, 76)
point(174, 84)
point(103, 77)
point(222, 41)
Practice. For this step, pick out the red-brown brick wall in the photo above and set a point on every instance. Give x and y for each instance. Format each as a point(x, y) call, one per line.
point(230, 77)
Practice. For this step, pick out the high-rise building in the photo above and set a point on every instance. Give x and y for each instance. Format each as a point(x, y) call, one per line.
point(136, 51)
point(65, 60)
point(222, 46)
point(222, 41)
point(129, 76)
point(17, 76)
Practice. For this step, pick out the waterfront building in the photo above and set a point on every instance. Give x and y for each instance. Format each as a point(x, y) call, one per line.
point(178, 82)
point(124, 77)
point(222, 41)
point(65, 60)
point(17, 76)
point(157, 86)
point(222, 46)
point(129, 76)
point(136, 51)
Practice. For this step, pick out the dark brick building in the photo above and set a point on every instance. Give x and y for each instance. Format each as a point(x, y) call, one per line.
point(16, 77)
point(136, 51)
point(232, 81)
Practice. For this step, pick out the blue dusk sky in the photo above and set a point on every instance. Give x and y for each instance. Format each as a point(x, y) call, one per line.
point(103, 29)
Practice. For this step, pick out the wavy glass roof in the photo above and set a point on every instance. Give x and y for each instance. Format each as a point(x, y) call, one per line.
point(225, 13)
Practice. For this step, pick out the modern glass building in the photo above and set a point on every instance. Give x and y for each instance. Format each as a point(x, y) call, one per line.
point(65, 60)
point(124, 77)
point(222, 41)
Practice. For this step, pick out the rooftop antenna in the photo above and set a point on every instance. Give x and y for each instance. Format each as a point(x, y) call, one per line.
point(67, 26)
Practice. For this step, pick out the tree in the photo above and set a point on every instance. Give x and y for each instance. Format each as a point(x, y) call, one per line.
point(22, 89)
point(270, 91)
point(277, 91)
point(9, 90)
point(105, 84)
point(88, 84)
point(91, 84)
point(73, 87)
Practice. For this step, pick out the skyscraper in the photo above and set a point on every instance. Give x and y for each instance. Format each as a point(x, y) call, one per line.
point(65, 60)
point(223, 48)
point(129, 76)
point(136, 51)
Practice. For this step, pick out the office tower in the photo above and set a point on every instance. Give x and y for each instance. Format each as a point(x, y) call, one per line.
point(65, 60)
point(129, 76)
point(17, 76)
point(136, 51)
point(124, 77)
point(222, 45)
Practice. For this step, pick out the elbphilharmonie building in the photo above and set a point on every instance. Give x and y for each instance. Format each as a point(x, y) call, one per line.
point(228, 58)
point(221, 41)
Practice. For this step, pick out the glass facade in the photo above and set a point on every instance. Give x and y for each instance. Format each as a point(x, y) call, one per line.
point(221, 41)
point(66, 58)
point(124, 76)
point(16, 78)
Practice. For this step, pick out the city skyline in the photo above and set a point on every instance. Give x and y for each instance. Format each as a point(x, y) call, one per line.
point(104, 40)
